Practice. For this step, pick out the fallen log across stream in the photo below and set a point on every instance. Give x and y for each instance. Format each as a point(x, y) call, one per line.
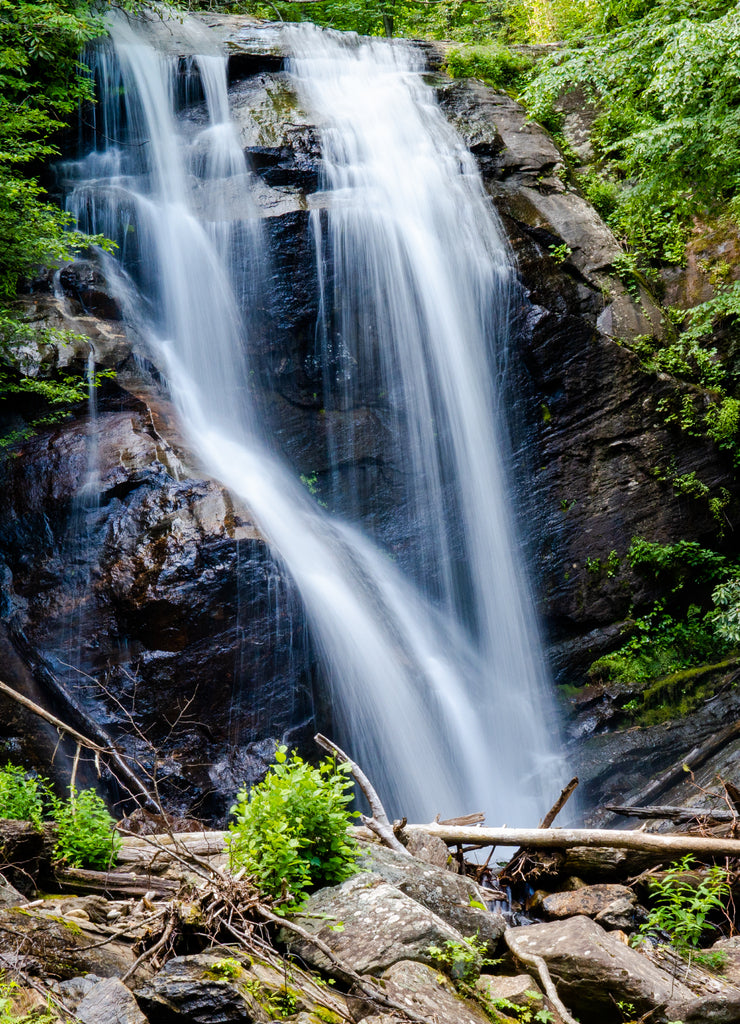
point(566, 838)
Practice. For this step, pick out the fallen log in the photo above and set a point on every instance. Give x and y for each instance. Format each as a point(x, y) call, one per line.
point(565, 838)
point(116, 884)
point(670, 813)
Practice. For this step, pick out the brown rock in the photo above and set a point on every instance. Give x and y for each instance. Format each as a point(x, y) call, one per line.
point(589, 900)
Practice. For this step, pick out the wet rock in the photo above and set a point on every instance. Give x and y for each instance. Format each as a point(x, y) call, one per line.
point(84, 283)
point(589, 900)
point(221, 986)
point(109, 1002)
point(593, 970)
point(429, 994)
point(450, 896)
point(369, 925)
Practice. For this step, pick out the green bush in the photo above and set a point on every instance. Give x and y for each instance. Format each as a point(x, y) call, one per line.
point(22, 796)
point(86, 834)
point(290, 832)
point(681, 907)
point(494, 65)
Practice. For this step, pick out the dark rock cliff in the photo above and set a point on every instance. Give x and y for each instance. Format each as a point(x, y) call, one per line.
point(156, 612)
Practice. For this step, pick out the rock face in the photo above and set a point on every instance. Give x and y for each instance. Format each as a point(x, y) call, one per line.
point(149, 603)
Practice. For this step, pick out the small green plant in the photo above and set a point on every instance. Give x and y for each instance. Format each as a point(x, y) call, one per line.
point(524, 1014)
point(593, 565)
point(715, 961)
point(10, 992)
point(463, 961)
point(226, 969)
point(495, 65)
point(86, 833)
point(290, 832)
point(560, 253)
point(22, 796)
point(681, 907)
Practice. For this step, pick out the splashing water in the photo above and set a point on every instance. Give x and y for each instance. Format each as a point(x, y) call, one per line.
point(433, 663)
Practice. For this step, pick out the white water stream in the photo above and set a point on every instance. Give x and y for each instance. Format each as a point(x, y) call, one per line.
point(435, 673)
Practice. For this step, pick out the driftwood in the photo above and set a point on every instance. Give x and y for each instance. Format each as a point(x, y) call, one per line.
point(560, 803)
point(670, 813)
point(566, 838)
point(379, 822)
point(115, 883)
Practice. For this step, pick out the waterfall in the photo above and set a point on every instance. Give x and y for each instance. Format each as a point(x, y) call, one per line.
point(432, 661)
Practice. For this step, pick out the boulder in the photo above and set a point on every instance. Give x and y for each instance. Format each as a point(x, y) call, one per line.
point(369, 925)
point(222, 986)
point(593, 971)
point(450, 896)
point(59, 948)
point(109, 1002)
point(612, 906)
point(427, 993)
point(731, 949)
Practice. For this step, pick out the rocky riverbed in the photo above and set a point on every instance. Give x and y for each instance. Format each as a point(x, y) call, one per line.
point(408, 938)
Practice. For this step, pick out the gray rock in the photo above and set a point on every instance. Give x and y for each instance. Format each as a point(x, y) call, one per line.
point(619, 914)
point(429, 994)
point(593, 971)
point(109, 1002)
point(448, 895)
point(74, 990)
point(369, 925)
point(431, 849)
point(200, 989)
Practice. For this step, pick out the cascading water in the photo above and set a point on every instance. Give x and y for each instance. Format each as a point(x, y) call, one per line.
point(433, 663)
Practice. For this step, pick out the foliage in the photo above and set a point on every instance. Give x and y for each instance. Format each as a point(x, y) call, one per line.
point(681, 906)
point(22, 796)
point(290, 831)
point(86, 835)
point(677, 565)
point(10, 994)
point(463, 961)
point(663, 75)
point(227, 968)
point(661, 644)
point(493, 64)
point(726, 598)
point(524, 1014)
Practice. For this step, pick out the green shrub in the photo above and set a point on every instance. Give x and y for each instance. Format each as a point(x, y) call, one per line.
point(86, 835)
point(494, 65)
point(290, 832)
point(22, 796)
point(681, 907)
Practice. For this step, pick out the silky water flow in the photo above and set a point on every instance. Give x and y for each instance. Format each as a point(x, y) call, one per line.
point(433, 662)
